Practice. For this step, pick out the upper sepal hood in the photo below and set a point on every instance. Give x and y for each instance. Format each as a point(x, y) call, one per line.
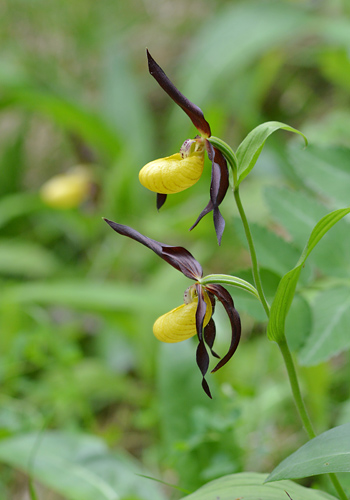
point(193, 111)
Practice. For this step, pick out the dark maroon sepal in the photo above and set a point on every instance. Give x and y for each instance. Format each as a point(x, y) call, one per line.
point(200, 312)
point(178, 257)
point(193, 111)
point(209, 336)
point(225, 298)
point(218, 189)
point(202, 359)
point(161, 199)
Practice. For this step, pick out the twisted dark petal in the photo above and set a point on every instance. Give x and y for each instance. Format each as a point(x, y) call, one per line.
point(177, 257)
point(161, 199)
point(200, 312)
point(193, 111)
point(225, 298)
point(202, 359)
point(210, 329)
point(218, 189)
point(209, 336)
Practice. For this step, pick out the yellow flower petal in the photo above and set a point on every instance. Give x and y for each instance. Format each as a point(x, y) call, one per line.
point(180, 323)
point(173, 173)
point(68, 190)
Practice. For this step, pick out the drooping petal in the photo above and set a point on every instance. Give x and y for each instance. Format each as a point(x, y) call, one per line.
point(178, 257)
point(225, 298)
point(193, 111)
point(218, 189)
point(209, 336)
point(180, 323)
point(172, 174)
point(202, 359)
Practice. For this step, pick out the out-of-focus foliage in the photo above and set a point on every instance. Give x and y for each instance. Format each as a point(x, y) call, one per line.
point(77, 303)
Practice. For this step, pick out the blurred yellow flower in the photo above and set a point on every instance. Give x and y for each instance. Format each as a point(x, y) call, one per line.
point(67, 190)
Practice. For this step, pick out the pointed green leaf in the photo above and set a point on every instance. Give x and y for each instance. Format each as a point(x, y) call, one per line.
point(250, 148)
point(288, 283)
point(250, 485)
point(329, 452)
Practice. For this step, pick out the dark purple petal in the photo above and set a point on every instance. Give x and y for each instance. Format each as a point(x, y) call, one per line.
point(225, 298)
point(218, 189)
point(135, 235)
point(210, 329)
point(200, 311)
point(202, 359)
point(161, 199)
point(209, 336)
point(178, 257)
point(204, 212)
point(193, 111)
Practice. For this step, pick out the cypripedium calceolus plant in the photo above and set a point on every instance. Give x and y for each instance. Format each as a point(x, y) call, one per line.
point(182, 170)
point(195, 316)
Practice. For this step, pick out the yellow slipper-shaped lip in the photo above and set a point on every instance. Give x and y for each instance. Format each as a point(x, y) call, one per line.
point(172, 174)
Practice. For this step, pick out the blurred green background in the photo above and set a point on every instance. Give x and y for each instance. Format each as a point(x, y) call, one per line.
point(89, 399)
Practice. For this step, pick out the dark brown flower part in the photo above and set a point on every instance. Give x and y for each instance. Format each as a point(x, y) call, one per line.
point(218, 189)
point(161, 199)
point(225, 298)
point(202, 356)
point(193, 111)
point(178, 257)
point(210, 329)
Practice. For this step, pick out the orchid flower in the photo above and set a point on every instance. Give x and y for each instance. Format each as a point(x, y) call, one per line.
point(195, 315)
point(182, 170)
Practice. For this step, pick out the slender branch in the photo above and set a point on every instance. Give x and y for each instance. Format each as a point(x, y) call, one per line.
point(255, 266)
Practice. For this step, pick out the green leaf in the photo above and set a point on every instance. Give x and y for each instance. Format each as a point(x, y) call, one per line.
point(298, 323)
point(295, 211)
point(251, 486)
point(250, 148)
point(325, 170)
point(275, 253)
point(287, 285)
point(78, 466)
point(90, 295)
point(25, 258)
point(18, 205)
point(330, 334)
point(67, 112)
point(329, 452)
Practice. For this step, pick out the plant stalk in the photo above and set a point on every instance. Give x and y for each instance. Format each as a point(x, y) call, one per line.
point(255, 266)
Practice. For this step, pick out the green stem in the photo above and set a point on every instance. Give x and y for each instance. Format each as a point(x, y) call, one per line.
point(293, 379)
point(292, 375)
point(255, 266)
